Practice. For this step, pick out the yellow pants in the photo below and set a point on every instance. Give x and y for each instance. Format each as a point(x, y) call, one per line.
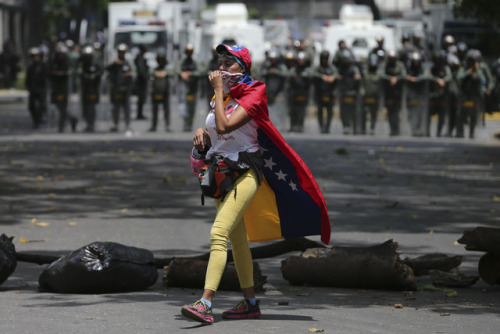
point(229, 225)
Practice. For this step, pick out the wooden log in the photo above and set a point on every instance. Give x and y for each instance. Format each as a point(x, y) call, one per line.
point(489, 268)
point(376, 267)
point(482, 239)
point(422, 264)
point(261, 252)
point(188, 273)
point(453, 278)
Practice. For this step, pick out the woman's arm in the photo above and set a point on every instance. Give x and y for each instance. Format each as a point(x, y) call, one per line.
point(224, 124)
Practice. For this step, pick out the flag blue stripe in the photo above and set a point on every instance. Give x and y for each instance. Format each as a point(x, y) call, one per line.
point(299, 214)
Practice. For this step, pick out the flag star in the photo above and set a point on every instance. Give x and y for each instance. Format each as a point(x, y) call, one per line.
point(293, 186)
point(262, 150)
point(269, 163)
point(281, 175)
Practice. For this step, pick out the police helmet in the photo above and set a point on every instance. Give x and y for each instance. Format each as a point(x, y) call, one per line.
point(373, 60)
point(392, 54)
point(87, 50)
point(61, 48)
point(289, 55)
point(189, 47)
point(301, 56)
point(122, 47)
point(415, 57)
point(161, 58)
point(452, 60)
point(462, 47)
point(70, 44)
point(472, 55)
point(273, 54)
point(438, 56)
point(405, 37)
point(449, 40)
point(325, 54)
point(35, 51)
point(453, 49)
point(345, 55)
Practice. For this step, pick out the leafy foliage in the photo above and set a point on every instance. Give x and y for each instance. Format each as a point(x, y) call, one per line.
point(484, 10)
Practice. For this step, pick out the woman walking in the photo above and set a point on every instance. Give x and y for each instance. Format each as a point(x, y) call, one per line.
point(236, 125)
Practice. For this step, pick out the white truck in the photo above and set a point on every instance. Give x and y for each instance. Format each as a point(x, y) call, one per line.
point(359, 31)
point(156, 24)
point(229, 24)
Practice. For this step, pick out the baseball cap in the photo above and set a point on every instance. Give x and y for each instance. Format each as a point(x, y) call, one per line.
point(240, 52)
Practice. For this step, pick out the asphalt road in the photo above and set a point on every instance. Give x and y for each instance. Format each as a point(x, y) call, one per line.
point(137, 190)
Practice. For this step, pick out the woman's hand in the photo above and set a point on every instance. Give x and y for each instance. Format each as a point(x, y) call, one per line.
point(216, 80)
point(201, 139)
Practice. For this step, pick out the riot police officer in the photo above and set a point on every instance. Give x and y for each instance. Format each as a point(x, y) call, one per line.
point(37, 75)
point(189, 76)
point(120, 78)
point(300, 86)
point(393, 76)
point(448, 41)
point(59, 78)
point(348, 84)
point(406, 48)
point(470, 80)
point(160, 92)
point(453, 93)
point(273, 74)
point(212, 65)
point(342, 49)
point(90, 82)
point(141, 80)
point(324, 88)
point(371, 92)
point(379, 50)
point(438, 94)
point(416, 94)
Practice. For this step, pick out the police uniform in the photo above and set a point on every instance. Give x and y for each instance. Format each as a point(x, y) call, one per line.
point(324, 91)
point(470, 80)
point(37, 76)
point(160, 94)
point(141, 81)
point(371, 93)
point(438, 94)
point(120, 77)
point(274, 75)
point(90, 81)
point(212, 65)
point(300, 89)
point(393, 93)
point(189, 68)
point(453, 94)
point(416, 84)
point(59, 78)
point(348, 83)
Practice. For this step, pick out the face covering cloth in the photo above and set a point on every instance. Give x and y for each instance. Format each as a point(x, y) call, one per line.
point(230, 80)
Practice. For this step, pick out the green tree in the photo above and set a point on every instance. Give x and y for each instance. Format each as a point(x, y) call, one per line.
point(485, 10)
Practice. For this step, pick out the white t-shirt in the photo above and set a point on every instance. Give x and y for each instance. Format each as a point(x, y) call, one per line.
point(228, 145)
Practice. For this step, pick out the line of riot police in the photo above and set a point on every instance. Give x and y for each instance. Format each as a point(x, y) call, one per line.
point(453, 83)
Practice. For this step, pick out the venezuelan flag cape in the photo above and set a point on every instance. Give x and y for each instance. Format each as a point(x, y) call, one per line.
point(289, 202)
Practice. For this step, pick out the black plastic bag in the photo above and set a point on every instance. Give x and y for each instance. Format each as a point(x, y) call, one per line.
point(100, 267)
point(8, 261)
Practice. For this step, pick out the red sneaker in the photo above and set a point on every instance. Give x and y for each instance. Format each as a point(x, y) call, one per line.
point(244, 310)
point(198, 311)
